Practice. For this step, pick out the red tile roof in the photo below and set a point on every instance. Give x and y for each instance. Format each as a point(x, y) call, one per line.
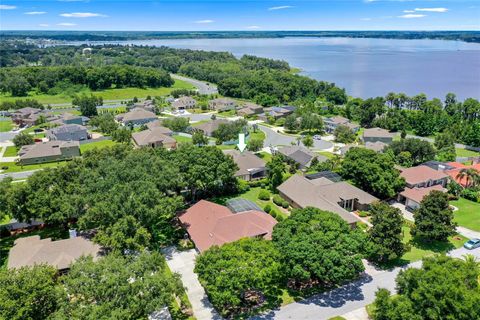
point(421, 174)
point(211, 224)
point(459, 166)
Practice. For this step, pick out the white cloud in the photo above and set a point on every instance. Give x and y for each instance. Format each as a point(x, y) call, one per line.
point(408, 11)
point(7, 7)
point(66, 24)
point(253, 27)
point(366, 19)
point(43, 25)
point(279, 8)
point(431, 9)
point(204, 21)
point(412, 16)
point(35, 12)
point(81, 15)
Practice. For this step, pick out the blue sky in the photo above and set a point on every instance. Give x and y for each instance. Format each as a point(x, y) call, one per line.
point(179, 15)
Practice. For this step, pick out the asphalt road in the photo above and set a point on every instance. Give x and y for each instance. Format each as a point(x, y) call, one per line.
point(203, 87)
point(274, 138)
point(17, 175)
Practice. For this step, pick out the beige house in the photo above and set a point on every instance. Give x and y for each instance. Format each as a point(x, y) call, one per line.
point(30, 251)
point(184, 103)
point(48, 152)
point(423, 177)
point(413, 196)
point(209, 127)
point(136, 117)
point(222, 104)
point(378, 135)
point(300, 155)
point(250, 109)
point(154, 138)
point(250, 166)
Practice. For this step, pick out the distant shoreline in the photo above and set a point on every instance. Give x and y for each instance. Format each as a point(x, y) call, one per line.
point(465, 36)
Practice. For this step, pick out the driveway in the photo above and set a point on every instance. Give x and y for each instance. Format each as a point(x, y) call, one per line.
point(183, 262)
point(203, 87)
point(18, 175)
point(273, 138)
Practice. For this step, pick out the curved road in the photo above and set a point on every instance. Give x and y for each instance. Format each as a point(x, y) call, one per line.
point(274, 138)
point(203, 87)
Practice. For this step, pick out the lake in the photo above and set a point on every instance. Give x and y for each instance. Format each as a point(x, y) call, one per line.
point(365, 67)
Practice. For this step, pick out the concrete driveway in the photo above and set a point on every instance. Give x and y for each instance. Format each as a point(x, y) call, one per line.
point(183, 263)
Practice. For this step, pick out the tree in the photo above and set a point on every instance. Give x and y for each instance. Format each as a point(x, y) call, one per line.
point(241, 275)
point(276, 169)
point(23, 139)
point(87, 104)
point(372, 172)
point(420, 150)
point(386, 233)
point(318, 247)
point(443, 288)
point(434, 218)
point(344, 134)
point(130, 287)
point(470, 175)
point(122, 135)
point(255, 145)
point(229, 131)
point(199, 139)
point(404, 159)
point(291, 123)
point(308, 141)
point(29, 293)
point(17, 85)
point(176, 124)
point(445, 144)
point(104, 122)
point(311, 122)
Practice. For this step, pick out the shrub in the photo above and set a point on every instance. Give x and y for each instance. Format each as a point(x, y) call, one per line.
point(363, 214)
point(264, 195)
point(267, 208)
point(285, 204)
point(280, 218)
point(243, 186)
point(278, 200)
point(470, 195)
point(4, 232)
point(273, 213)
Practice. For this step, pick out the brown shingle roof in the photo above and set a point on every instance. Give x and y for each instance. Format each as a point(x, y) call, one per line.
point(246, 161)
point(45, 149)
point(377, 133)
point(417, 194)
point(211, 224)
point(210, 126)
point(136, 114)
point(149, 136)
point(421, 174)
point(30, 251)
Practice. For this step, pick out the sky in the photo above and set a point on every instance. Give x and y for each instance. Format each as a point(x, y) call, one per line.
point(196, 15)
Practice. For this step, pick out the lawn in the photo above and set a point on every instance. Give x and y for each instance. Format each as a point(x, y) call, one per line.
point(267, 157)
point(466, 153)
point(48, 232)
point(327, 154)
point(10, 152)
point(98, 144)
point(14, 167)
point(109, 94)
point(181, 139)
point(259, 135)
point(6, 125)
point(468, 213)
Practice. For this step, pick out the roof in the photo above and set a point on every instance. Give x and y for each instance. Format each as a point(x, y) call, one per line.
point(453, 173)
point(377, 146)
point(210, 126)
point(419, 174)
point(223, 101)
point(252, 106)
point(158, 124)
point(324, 194)
point(337, 120)
point(332, 176)
point(45, 149)
point(183, 101)
point(300, 154)
point(417, 194)
point(246, 161)
point(211, 224)
point(438, 165)
point(377, 133)
point(32, 250)
point(149, 136)
point(137, 114)
point(237, 205)
point(68, 128)
point(27, 111)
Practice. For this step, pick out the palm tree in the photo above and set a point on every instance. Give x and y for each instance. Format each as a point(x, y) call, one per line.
point(471, 176)
point(471, 261)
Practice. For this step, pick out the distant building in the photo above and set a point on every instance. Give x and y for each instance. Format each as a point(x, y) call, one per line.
point(250, 109)
point(376, 146)
point(378, 135)
point(136, 117)
point(68, 132)
point(184, 103)
point(154, 138)
point(333, 123)
point(68, 118)
point(250, 166)
point(26, 116)
point(147, 105)
point(276, 112)
point(48, 152)
point(222, 104)
point(300, 155)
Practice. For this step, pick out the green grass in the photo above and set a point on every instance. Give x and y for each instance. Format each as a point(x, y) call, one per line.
point(11, 151)
point(6, 125)
point(6, 244)
point(109, 94)
point(259, 135)
point(267, 157)
point(337, 318)
point(14, 167)
point(6, 219)
point(466, 153)
point(468, 213)
point(98, 144)
point(182, 139)
point(327, 154)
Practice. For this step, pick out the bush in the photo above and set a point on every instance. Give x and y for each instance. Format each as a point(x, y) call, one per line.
point(273, 213)
point(4, 232)
point(363, 214)
point(278, 200)
point(470, 195)
point(258, 183)
point(280, 218)
point(285, 204)
point(267, 208)
point(242, 186)
point(264, 195)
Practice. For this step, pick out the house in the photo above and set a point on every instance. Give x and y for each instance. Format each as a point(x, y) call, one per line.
point(154, 138)
point(413, 196)
point(335, 196)
point(210, 224)
point(438, 165)
point(68, 118)
point(30, 251)
point(423, 177)
point(332, 123)
point(276, 112)
point(147, 105)
point(250, 166)
point(26, 116)
point(136, 117)
point(158, 124)
point(222, 104)
point(210, 126)
point(456, 169)
point(300, 155)
point(184, 103)
point(68, 132)
point(48, 152)
point(250, 109)
point(378, 134)
point(376, 146)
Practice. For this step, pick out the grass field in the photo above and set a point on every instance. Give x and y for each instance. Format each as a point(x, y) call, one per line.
point(327, 154)
point(267, 157)
point(182, 139)
point(98, 144)
point(468, 213)
point(466, 153)
point(6, 125)
point(11, 151)
point(109, 94)
point(13, 167)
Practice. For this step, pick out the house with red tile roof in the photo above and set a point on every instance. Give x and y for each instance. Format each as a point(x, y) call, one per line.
point(413, 196)
point(458, 167)
point(423, 177)
point(210, 224)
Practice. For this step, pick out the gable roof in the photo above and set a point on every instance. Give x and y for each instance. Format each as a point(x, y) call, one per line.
point(377, 133)
point(210, 126)
point(30, 251)
point(453, 173)
point(136, 114)
point(211, 224)
point(419, 174)
point(246, 161)
point(27, 111)
point(45, 149)
point(300, 154)
point(149, 136)
point(68, 128)
point(377, 146)
point(417, 194)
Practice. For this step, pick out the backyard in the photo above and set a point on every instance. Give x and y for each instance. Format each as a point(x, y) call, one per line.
point(97, 144)
point(468, 213)
point(9, 167)
point(466, 153)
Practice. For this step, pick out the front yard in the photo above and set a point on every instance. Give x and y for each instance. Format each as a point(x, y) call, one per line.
point(468, 213)
point(9, 167)
point(97, 144)
point(11, 151)
point(6, 125)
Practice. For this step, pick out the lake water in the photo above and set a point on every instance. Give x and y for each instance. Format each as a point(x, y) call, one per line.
point(365, 67)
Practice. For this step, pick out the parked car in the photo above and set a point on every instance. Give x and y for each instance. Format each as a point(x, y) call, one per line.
point(472, 244)
point(317, 137)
